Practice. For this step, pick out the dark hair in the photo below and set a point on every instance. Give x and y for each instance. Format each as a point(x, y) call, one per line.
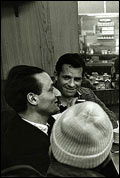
point(74, 59)
point(19, 83)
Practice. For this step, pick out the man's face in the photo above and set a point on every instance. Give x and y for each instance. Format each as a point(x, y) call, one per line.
point(69, 80)
point(48, 97)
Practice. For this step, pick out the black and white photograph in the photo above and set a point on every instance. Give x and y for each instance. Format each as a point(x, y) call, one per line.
point(59, 88)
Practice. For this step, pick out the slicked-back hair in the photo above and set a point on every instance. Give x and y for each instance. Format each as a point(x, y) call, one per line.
point(20, 81)
point(74, 59)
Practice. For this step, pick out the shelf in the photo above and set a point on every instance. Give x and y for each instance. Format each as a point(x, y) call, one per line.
point(103, 56)
point(101, 68)
point(105, 38)
point(99, 64)
point(112, 55)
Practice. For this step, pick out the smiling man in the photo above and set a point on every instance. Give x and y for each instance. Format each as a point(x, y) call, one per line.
point(30, 92)
point(69, 72)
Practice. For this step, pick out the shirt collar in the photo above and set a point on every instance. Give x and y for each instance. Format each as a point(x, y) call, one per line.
point(42, 127)
point(78, 94)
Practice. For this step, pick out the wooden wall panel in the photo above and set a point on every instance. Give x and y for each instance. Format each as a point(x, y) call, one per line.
point(43, 31)
point(27, 39)
point(64, 25)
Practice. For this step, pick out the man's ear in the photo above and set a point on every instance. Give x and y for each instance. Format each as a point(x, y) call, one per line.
point(32, 98)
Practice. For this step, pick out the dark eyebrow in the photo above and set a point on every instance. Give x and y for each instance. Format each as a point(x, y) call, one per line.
point(78, 77)
point(66, 75)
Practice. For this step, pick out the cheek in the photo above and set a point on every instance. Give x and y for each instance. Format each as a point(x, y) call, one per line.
point(45, 99)
point(60, 80)
point(61, 83)
point(46, 103)
point(78, 83)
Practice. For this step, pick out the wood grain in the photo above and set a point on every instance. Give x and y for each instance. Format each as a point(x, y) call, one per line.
point(43, 31)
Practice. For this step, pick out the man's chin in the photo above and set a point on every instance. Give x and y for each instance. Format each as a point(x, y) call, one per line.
point(56, 111)
point(69, 94)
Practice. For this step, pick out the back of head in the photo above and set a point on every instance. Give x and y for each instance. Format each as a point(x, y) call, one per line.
point(82, 136)
point(74, 59)
point(20, 81)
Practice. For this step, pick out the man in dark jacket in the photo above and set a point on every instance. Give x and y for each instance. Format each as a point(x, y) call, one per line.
point(69, 73)
point(25, 140)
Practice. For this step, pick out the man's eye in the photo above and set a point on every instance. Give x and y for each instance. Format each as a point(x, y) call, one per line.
point(77, 79)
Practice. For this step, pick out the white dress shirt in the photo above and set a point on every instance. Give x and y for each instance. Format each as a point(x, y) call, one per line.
point(42, 127)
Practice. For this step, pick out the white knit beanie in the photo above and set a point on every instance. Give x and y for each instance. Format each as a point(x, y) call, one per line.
point(82, 136)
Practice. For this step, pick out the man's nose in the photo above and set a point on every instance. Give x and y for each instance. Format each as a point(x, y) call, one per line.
point(72, 83)
point(57, 92)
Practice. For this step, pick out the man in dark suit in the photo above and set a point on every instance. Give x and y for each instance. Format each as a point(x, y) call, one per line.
point(25, 140)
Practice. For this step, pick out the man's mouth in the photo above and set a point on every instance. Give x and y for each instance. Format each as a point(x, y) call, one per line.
point(70, 89)
point(57, 102)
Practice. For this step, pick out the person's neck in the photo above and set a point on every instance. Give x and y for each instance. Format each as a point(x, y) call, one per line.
point(65, 101)
point(34, 117)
